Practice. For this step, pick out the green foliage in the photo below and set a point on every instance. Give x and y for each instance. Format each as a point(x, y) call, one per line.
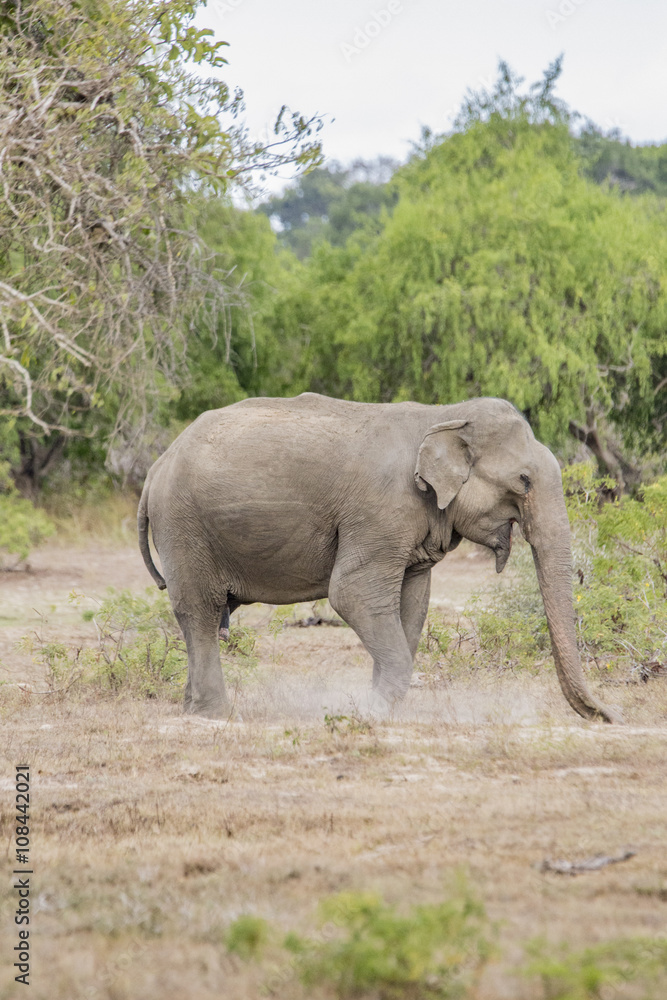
point(140, 645)
point(509, 628)
point(437, 635)
point(347, 724)
point(620, 590)
point(433, 951)
point(330, 203)
point(501, 271)
point(502, 626)
point(22, 527)
point(612, 160)
point(111, 169)
point(568, 974)
point(140, 649)
point(230, 353)
point(620, 559)
point(239, 658)
point(279, 617)
point(247, 936)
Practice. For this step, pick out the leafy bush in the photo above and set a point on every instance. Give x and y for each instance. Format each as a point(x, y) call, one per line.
point(239, 659)
point(247, 936)
point(140, 648)
point(140, 645)
point(581, 975)
point(430, 953)
point(620, 561)
point(437, 635)
point(509, 628)
point(22, 527)
point(502, 626)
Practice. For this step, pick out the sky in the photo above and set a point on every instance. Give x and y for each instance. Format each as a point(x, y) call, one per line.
point(379, 71)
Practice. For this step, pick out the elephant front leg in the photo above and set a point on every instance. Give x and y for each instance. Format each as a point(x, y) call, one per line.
point(415, 594)
point(372, 607)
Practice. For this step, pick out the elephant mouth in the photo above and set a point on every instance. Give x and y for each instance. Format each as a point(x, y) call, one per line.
point(503, 545)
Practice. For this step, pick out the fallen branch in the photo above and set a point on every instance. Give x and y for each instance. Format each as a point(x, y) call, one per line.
point(588, 865)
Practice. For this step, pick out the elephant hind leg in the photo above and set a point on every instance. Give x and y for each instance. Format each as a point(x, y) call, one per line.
point(205, 692)
point(198, 611)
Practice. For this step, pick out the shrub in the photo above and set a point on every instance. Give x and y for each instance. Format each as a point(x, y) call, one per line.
point(140, 648)
point(239, 659)
point(501, 627)
point(22, 527)
point(582, 975)
point(432, 952)
point(140, 645)
point(620, 561)
point(509, 628)
point(247, 936)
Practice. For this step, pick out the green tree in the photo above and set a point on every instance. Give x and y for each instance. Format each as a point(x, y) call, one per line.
point(330, 203)
point(611, 159)
point(502, 271)
point(109, 132)
point(230, 357)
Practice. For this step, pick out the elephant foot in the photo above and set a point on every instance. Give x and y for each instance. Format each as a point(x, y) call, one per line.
point(391, 694)
point(208, 710)
point(382, 701)
point(612, 714)
point(377, 707)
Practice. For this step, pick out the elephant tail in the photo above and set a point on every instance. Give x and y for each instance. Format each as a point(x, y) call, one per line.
point(142, 527)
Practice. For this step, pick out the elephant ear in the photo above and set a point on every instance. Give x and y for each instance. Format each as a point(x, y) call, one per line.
point(444, 460)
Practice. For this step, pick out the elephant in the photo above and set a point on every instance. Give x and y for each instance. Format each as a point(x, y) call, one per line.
point(280, 500)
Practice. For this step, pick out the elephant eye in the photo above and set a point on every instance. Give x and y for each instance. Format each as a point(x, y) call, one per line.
point(526, 482)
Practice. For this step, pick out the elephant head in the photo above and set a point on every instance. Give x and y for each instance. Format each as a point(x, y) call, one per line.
point(488, 472)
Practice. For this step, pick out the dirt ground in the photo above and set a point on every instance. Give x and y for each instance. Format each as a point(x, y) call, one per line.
point(150, 833)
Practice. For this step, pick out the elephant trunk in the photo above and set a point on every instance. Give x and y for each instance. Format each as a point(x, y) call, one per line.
point(547, 529)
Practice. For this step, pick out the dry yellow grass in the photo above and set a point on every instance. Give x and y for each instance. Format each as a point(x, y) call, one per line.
point(150, 832)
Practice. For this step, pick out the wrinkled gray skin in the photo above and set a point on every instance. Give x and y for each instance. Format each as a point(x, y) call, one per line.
point(286, 500)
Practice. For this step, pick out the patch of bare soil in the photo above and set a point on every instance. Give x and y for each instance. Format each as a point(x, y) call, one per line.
point(150, 832)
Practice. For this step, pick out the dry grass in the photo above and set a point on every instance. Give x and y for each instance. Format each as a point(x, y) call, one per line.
point(151, 833)
point(109, 520)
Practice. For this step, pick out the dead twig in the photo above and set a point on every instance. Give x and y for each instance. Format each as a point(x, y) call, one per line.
point(593, 864)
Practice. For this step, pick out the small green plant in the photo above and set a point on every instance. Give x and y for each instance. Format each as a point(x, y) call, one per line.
point(238, 655)
point(247, 937)
point(140, 645)
point(334, 722)
point(63, 665)
point(567, 974)
point(432, 952)
point(509, 628)
point(140, 648)
point(437, 635)
point(502, 627)
point(22, 527)
point(346, 724)
point(279, 617)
